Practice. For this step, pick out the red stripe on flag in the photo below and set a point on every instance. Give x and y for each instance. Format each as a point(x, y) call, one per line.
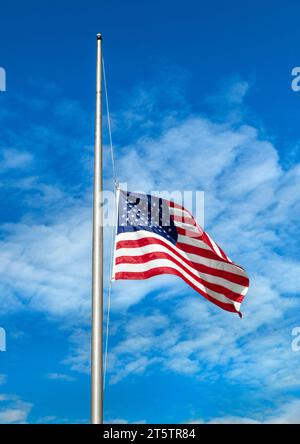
point(168, 270)
point(184, 219)
point(159, 255)
point(230, 276)
point(188, 233)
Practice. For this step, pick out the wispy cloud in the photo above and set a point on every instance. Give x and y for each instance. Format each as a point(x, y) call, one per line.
point(13, 159)
point(287, 413)
point(60, 377)
point(252, 210)
point(2, 379)
point(13, 410)
point(251, 203)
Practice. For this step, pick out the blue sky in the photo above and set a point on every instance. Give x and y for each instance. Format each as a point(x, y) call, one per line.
point(201, 99)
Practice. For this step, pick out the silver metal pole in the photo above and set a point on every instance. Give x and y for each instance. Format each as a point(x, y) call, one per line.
point(97, 299)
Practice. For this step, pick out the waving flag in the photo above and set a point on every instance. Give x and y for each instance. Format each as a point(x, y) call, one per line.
point(156, 236)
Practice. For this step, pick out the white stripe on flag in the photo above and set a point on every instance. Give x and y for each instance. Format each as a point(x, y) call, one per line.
point(140, 268)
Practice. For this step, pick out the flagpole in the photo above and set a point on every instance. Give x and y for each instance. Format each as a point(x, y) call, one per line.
point(97, 279)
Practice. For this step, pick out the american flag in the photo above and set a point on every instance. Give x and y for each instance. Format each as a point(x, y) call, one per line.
point(156, 236)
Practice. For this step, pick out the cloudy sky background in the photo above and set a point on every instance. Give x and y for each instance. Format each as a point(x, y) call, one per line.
point(200, 100)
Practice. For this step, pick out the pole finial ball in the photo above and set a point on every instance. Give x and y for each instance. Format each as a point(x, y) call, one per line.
point(99, 36)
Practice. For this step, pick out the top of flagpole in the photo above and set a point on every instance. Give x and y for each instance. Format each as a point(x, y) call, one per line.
point(99, 36)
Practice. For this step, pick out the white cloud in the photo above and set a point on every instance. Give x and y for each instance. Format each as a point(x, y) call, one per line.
point(251, 203)
point(136, 367)
point(78, 358)
point(123, 421)
point(231, 94)
point(287, 413)
point(13, 159)
point(60, 377)
point(51, 263)
point(13, 410)
point(2, 379)
point(252, 210)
